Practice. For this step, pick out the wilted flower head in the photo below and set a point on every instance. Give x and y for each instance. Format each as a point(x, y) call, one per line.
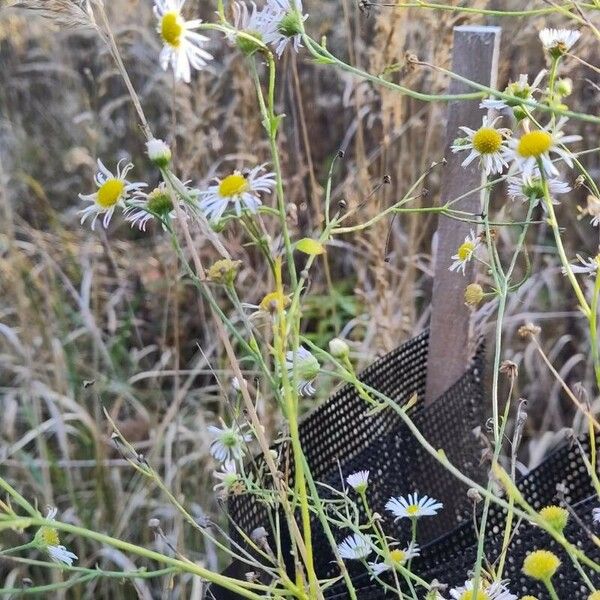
point(531, 189)
point(283, 24)
point(147, 207)
point(305, 367)
point(224, 271)
point(229, 443)
point(473, 294)
point(228, 477)
point(521, 91)
point(586, 266)
point(250, 21)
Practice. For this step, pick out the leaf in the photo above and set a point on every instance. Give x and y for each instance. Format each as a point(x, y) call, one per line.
point(310, 247)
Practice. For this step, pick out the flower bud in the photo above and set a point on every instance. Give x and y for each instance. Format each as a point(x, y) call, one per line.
point(338, 348)
point(564, 87)
point(158, 152)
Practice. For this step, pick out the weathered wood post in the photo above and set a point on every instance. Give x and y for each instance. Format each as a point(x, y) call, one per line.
point(475, 56)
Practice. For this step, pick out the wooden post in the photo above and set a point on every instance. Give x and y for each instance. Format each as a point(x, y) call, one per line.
point(474, 56)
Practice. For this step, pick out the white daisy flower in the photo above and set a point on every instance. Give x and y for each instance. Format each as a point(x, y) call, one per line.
point(486, 143)
point(228, 476)
point(413, 507)
point(146, 207)
point(283, 24)
point(358, 481)
point(355, 547)
point(229, 442)
point(397, 558)
point(306, 367)
point(158, 152)
point(535, 146)
point(182, 47)
point(493, 591)
point(532, 189)
point(521, 90)
point(596, 515)
point(558, 41)
point(112, 191)
point(464, 253)
point(47, 539)
point(241, 189)
point(587, 267)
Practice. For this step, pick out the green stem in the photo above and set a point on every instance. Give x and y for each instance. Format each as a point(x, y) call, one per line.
point(559, 245)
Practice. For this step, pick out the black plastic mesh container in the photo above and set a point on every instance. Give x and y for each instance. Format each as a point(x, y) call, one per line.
point(341, 437)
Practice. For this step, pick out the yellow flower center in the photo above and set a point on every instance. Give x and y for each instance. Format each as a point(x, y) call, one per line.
point(110, 192)
point(233, 185)
point(171, 28)
point(397, 556)
point(534, 143)
point(472, 595)
point(465, 250)
point(541, 565)
point(555, 516)
point(412, 509)
point(49, 536)
point(487, 140)
point(594, 596)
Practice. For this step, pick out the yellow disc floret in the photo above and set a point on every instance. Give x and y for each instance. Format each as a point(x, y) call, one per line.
point(49, 536)
point(233, 185)
point(472, 595)
point(397, 556)
point(541, 565)
point(171, 28)
point(594, 596)
point(465, 250)
point(110, 192)
point(534, 144)
point(487, 140)
point(555, 516)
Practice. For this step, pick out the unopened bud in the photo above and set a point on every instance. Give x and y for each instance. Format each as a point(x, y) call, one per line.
point(564, 87)
point(338, 348)
point(158, 152)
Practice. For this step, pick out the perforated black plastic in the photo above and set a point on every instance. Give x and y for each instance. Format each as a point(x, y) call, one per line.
point(341, 437)
point(449, 558)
